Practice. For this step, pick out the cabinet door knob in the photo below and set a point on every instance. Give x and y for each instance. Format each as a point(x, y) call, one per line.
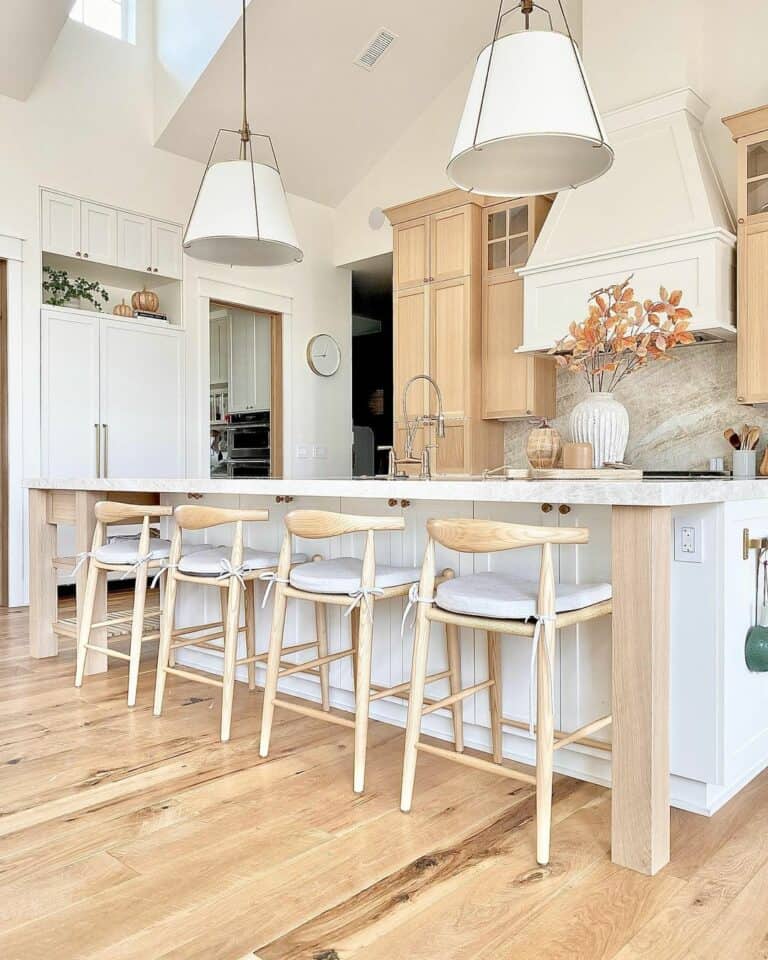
point(405, 503)
point(564, 509)
point(85, 255)
point(77, 253)
point(149, 269)
point(391, 502)
point(155, 270)
point(741, 219)
point(546, 508)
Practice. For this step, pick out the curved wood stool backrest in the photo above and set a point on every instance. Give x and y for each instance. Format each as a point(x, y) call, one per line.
point(112, 511)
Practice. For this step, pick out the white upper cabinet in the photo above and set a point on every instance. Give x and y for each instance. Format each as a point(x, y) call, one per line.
point(61, 224)
point(104, 234)
point(166, 249)
point(98, 232)
point(134, 241)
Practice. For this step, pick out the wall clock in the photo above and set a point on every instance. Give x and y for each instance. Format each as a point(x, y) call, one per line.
point(323, 355)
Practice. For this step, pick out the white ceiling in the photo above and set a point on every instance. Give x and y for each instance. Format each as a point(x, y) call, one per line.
point(329, 119)
point(28, 31)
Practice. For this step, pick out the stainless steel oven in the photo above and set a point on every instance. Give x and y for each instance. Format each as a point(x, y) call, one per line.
point(248, 436)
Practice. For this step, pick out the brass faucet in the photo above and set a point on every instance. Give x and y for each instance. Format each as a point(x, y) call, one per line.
point(411, 426)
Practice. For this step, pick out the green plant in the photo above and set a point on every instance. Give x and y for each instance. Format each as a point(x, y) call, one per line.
point(60, 289)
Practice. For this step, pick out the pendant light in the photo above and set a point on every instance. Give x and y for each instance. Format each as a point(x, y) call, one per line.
point(240, 215)
point(530, 124)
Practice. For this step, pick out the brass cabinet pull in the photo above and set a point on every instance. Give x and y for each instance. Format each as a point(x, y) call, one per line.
point(564, 509)
point(546, 508)
point(194, 496)
point(77, 253)
point(282, 499)
point(85, 255)
point(405, 503)
point(105, 430)
point(391, 502)
point(98, 450)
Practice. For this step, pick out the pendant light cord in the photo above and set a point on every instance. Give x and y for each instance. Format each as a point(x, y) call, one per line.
point(245, 133)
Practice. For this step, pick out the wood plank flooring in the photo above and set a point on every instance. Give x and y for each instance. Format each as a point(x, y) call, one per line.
point(126, 837)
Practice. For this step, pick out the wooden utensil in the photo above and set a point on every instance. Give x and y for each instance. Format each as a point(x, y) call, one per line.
point(733, 438)
point(763, 471)
point(753, 438)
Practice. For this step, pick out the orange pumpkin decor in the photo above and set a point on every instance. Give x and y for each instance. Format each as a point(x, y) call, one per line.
point(146, 300)
point(123, 309)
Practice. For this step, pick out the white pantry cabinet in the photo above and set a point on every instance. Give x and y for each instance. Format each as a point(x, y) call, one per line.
point(112, 397)
point(250, 361)
point(83, 229)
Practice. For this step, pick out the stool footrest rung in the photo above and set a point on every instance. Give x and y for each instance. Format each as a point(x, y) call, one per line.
point(401, 689)
point(455, 697)
point(107, 652)
point(314, 712)
point(317, 662)
point(583, 732)
point(467, 760)
point(197, 677)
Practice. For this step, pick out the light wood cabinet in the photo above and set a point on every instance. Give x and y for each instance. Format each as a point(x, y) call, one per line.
point(750, 131)
point(437, 281)
point(514, 385)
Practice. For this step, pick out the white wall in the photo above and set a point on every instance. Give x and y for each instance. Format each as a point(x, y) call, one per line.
point(87, 129)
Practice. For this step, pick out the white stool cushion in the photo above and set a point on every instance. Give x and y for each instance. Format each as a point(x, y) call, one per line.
point(211, 562)
point(343, 576)
point(506, 597)
point(125, 550)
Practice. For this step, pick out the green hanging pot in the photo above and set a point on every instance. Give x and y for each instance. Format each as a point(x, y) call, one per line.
point(756, 649)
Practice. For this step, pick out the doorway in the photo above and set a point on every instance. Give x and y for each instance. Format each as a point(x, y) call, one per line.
point(372, 400)
point(245, 391)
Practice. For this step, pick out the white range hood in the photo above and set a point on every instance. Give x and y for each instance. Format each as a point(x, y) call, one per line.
point(659, 214)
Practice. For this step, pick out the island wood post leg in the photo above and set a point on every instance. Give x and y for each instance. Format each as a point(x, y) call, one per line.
point(641, 540)
point(43, 598)
point(85, 524)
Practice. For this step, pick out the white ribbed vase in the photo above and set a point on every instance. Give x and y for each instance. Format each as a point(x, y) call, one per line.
point(601, 420)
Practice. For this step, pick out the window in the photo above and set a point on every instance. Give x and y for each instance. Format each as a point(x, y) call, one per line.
point(114, 17)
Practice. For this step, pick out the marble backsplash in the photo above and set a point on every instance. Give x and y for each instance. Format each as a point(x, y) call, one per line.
point(677, 410)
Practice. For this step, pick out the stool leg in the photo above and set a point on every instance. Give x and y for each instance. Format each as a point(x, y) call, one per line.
point(418, 676)
point(545, 734)
point(354, 637)
point(166, 637)
point(494, 694)
point(231, 624)
point(454, 665)
point(321, 632)
point(250, 630)
point(362, 693)
point(85, 621)
point(276, 635)
point(137, 631)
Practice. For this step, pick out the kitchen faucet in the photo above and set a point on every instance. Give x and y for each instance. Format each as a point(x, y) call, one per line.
point(411, 426)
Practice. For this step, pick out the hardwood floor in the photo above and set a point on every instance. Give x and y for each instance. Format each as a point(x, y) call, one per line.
point(123, 837)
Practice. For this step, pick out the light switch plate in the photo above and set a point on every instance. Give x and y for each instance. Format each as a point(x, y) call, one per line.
point(320, 452)
point(688, 540)
point(302, 452)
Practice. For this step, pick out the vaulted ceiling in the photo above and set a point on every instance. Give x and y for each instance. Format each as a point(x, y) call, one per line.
point(329, 119)
point(28, 31)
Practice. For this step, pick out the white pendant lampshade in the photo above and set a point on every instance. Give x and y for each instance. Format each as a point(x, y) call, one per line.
point(241, 217)
point(530, 125)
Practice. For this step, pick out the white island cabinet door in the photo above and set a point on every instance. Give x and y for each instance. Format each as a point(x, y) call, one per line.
point(134, 242)
point(61, 224)
point(142, 400)
point(98, 231)
point(70, 394)
point(166, 249)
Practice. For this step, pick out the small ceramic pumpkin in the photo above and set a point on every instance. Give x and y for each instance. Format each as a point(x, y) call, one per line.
point(145, 300)
point(543, 447)
point(123, 309)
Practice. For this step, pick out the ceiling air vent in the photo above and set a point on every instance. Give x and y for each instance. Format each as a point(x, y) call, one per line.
point(376, 49)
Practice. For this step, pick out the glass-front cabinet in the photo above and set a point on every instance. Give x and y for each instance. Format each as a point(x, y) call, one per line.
point(757, 178)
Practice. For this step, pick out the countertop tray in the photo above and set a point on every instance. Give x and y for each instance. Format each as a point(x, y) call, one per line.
point(558, 473)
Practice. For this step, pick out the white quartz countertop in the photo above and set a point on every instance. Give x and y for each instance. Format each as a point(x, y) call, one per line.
point(611, 492)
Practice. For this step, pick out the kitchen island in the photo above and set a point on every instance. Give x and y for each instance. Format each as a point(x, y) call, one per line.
point(680, 617)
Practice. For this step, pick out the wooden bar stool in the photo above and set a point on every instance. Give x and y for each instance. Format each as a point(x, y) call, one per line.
point(126, 555)
point(348, 582)
point(235, 571)
point(502, 604)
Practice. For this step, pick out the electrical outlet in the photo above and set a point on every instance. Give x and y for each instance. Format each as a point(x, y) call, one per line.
point(688, 540)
